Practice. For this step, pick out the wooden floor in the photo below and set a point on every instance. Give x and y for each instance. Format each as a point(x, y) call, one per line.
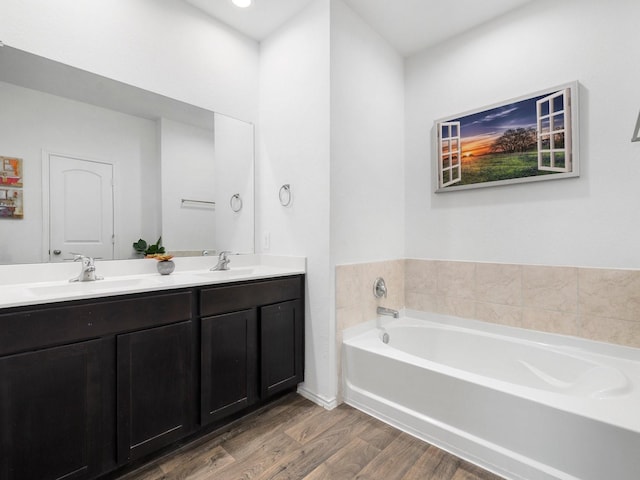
point(297, 440)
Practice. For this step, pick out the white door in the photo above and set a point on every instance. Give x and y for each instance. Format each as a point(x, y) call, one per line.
point(80, 208)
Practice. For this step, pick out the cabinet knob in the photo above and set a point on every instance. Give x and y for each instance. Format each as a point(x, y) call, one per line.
point(57, 252)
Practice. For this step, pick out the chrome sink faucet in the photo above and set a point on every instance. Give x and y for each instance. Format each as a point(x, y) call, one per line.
point(88, 272)
point(223, 261)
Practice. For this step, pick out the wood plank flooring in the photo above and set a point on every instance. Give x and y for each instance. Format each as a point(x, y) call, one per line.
point(295, 439)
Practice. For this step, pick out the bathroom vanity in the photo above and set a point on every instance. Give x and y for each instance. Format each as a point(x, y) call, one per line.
point(90, 385)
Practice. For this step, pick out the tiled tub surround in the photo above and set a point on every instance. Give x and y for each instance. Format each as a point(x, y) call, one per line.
point(594, 303)
point(355, 302)
point(597, 304)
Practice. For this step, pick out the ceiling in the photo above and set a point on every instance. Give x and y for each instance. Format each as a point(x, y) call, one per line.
point(408, 25)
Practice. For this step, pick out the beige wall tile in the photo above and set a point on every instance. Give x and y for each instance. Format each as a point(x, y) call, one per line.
point(354, 290)
point(550, 288)
point(347, 317)
point(543, 298)
point(610, 293)
point(455, 306)
point(457, 279)
point(496, 313)
point(612, 330)
point(421, 276)
point(355, 302)
point(550, 321)
point(393, 274)
point(348, 286)
point(367, 274)
point(424, 302)
point(499, 283)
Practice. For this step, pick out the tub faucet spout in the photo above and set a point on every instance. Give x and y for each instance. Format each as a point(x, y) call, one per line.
point(388, 311)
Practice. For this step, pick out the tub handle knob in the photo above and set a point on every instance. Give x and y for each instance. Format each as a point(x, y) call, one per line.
point(379, 288)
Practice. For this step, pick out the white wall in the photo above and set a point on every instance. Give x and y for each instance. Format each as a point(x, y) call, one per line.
point(235, 165)
point(367, 149)
point(32, 122)
point(331, 126)
point(589, 221)
point(165, 46)
point(294, 149)
point(188, 171)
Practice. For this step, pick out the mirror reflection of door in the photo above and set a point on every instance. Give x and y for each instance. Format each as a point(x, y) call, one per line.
point(80, 208)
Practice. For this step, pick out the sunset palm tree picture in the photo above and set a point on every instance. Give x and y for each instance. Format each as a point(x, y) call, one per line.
point(527, 139)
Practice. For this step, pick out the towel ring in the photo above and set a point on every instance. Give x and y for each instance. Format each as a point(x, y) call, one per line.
point(285, 195)
point(235, 202)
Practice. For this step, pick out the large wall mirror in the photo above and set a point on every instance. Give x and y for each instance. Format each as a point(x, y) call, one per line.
point(90, 165)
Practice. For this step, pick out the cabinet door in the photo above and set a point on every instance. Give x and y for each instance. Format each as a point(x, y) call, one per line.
point(50, 413)
point(229, 364)
point(282, 346)
point(154, 383)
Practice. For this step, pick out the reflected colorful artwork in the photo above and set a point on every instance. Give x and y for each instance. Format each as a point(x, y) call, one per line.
point(11, 199)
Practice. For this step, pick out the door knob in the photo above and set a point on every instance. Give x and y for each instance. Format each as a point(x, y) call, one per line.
point(57, 252)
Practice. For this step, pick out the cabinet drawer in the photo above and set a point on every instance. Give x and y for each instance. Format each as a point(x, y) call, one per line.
point(225, 299)
point(60, 324)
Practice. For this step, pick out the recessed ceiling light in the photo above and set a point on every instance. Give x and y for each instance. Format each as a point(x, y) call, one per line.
point(242, 3)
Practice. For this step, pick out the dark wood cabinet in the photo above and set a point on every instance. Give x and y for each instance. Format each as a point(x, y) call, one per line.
point(154, 389)
point(229, 364)
point(88, 386)
point(282, 346)
point(51, 412)
point(256, 350)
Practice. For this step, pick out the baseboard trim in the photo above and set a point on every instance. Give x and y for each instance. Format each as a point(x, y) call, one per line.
point(328, 403)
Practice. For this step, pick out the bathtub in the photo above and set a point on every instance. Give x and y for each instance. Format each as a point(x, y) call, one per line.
point(522, 404)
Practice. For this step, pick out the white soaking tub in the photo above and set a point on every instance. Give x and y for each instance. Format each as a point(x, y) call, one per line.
point(523, 404)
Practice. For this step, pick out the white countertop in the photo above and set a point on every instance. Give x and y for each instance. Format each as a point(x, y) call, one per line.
point(47, 283)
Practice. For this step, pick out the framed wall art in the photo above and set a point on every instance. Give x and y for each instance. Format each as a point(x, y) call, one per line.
point(530, 138)
point(11, 203)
